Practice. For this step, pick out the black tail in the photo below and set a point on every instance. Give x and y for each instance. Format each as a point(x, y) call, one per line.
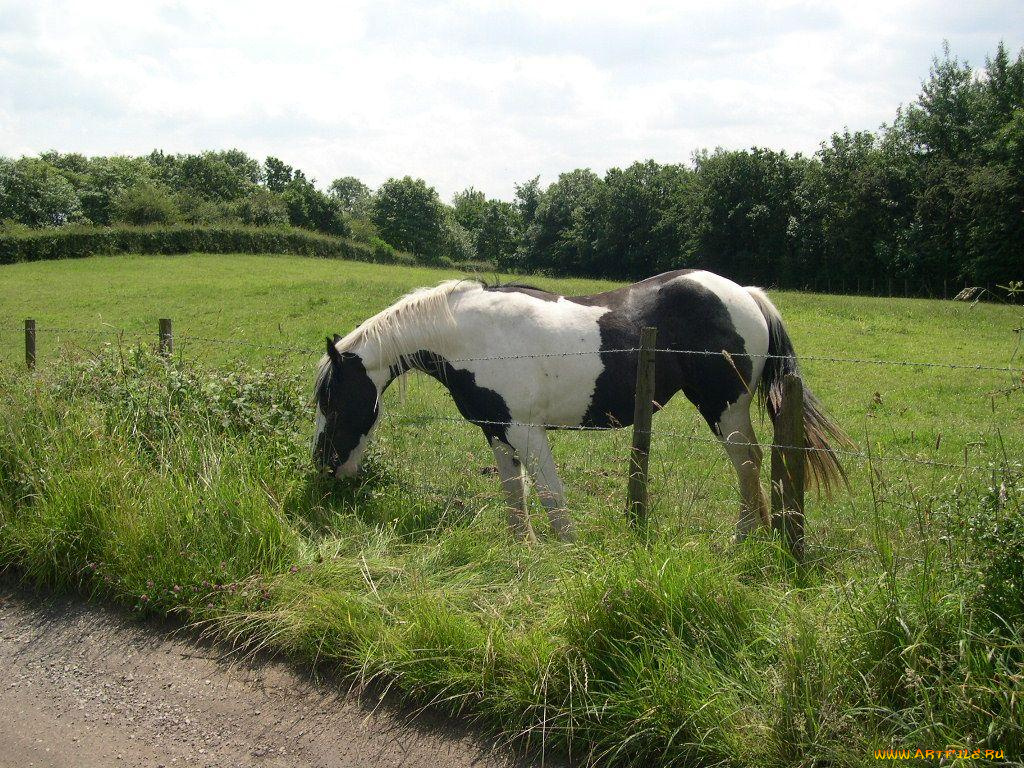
point(820, 430)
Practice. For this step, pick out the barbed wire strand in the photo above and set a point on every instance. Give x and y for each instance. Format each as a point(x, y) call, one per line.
point(692, 438)
point(183, 338)
point(722, 531)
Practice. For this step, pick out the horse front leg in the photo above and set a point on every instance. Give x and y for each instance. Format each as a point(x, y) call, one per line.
point(531, 443)
point(511, 473)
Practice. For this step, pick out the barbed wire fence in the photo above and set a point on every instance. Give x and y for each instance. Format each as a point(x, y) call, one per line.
point(790, 449)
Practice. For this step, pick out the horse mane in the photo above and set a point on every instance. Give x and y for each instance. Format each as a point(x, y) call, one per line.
point(417, 316)
point(511, 286)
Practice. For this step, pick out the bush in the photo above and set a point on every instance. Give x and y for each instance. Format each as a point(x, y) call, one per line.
point(197, 210)
point(78, 242)
point(996, 531)
point(145, 203)
point(262, 208)
point(310, 208)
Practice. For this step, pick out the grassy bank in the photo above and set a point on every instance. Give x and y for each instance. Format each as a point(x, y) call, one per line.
point(185, 486)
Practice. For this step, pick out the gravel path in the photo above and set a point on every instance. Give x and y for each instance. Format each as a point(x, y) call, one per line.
point(87, 687)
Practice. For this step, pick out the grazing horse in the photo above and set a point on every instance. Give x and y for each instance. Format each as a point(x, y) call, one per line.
point(518, 360)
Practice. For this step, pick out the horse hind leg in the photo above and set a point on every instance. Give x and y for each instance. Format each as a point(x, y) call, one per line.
point(510, 470)
point(737, 435)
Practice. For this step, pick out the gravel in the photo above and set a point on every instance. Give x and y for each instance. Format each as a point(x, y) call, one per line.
point(86, 686)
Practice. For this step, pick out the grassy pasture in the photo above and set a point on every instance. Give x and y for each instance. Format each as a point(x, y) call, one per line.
point(185, 487)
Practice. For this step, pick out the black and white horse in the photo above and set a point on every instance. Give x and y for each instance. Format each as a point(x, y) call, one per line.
point(499, 352)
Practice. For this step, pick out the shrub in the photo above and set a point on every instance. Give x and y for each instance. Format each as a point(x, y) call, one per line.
point(262, 208)
point(310, 208)
point(145, 203)
point(996, 531)
point(198, 210)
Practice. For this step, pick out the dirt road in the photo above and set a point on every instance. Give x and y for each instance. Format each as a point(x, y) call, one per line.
point(86, 687)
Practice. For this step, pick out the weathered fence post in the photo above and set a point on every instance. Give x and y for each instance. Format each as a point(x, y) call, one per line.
point(788, 466)
point(166, 336)
point(30, 343)
point(639, 453)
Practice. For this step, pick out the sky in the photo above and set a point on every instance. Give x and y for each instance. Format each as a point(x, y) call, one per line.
point(480, 93)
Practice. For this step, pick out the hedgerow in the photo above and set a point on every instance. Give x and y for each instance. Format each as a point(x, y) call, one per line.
point(78, 242)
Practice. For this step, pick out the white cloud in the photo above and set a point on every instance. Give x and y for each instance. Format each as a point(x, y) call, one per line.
point(466, 92)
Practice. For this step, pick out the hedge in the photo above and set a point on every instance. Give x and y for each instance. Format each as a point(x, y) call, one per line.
point(78, 242)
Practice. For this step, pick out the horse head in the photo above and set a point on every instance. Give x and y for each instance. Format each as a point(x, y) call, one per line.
point(347, 405)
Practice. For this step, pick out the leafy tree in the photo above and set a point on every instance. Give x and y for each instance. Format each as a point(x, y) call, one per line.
point(459, 242)
point(352, 195)
point(277, 174)
point(144, 203)
point(102, 179)
point(748, 212)
point(637, 230)
point(34, 193)
point(262, 208)
point(410, 216)
point(211, 176)
point(857, 196)
point(310, 208)
point(72, 164)
point(245, 167)
point(528, 196)
point(499, 234)
point(945, 119)
point(561, 235)
point(469, 206)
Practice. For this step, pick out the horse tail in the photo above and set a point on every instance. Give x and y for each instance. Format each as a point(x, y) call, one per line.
point(821, 432)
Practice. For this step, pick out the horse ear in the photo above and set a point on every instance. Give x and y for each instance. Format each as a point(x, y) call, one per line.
point(332, 351)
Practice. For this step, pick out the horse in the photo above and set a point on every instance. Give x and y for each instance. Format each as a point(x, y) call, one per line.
point(518, 360)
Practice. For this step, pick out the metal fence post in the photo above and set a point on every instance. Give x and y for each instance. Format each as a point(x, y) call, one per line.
point(166, 336)
point(789, 459)
point(30, 343)
point(639, 453)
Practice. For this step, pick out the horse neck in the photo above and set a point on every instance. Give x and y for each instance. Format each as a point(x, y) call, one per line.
point(397, 356)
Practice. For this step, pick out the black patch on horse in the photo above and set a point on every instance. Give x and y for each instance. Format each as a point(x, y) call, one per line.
point(688, 317)
point(479, 405)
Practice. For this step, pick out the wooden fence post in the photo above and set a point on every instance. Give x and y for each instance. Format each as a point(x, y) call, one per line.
point(30, 343)
point(788, 467)
point(166, 336)
point(639, 453)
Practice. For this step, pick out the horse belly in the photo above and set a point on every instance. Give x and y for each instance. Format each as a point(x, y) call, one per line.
point(564, 389)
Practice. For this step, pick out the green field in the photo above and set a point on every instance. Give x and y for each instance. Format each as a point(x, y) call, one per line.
point(186, 487)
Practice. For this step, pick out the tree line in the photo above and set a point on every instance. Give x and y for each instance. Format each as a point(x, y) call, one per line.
point(932, 201)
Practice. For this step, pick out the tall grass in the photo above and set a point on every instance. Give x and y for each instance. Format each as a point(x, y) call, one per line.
point(173, 489)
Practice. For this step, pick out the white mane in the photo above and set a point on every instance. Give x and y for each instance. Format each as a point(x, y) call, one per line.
point(407, 326)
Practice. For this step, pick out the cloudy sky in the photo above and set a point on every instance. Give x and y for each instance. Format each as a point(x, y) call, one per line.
point(459, 93)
